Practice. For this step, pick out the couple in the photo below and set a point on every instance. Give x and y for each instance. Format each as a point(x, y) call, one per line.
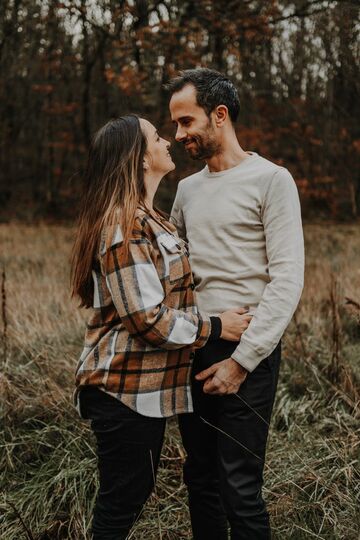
point(153, 348)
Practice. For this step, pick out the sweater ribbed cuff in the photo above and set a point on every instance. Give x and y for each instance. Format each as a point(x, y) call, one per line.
point(216, 328)
point(245, 355)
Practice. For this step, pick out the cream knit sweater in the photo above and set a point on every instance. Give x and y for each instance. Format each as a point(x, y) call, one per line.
point(246, 247)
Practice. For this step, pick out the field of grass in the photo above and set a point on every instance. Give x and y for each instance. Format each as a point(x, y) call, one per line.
point(47, 460)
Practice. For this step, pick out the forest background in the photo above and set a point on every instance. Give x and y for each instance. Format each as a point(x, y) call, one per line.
point(66, 68)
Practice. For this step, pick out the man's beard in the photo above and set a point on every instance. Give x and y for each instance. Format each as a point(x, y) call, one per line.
point(205, 146)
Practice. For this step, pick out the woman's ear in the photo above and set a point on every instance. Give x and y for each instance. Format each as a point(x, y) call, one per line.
point(145, 164)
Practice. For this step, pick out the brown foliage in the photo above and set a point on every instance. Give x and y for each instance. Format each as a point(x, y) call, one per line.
point(68, 67)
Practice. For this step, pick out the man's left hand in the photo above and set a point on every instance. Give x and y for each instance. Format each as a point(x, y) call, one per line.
point(222, 378)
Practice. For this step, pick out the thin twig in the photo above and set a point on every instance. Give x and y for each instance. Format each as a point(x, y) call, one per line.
point(351, 302)
point(231, 437)
point(273, 472)
point(299, 334)
point(156, 495)
point(4, 315)
point(27, 530)
point(308, 532)
point(130, 535)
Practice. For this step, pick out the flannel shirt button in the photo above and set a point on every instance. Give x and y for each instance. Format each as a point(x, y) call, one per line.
point(192, 355)
point(192, 286)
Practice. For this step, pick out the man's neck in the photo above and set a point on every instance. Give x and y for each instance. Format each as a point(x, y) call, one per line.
point(230, 156)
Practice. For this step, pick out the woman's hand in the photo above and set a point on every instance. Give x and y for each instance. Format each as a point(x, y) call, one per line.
point(234, 323)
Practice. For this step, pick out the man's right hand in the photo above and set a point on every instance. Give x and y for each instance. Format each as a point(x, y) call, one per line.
point(234, 323)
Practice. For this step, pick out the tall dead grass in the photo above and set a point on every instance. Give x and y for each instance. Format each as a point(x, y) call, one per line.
point(47, 460)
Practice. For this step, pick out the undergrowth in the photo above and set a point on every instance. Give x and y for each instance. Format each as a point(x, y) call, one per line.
point(47, 459)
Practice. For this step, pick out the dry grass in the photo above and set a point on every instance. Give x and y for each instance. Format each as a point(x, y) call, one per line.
point(47, 459)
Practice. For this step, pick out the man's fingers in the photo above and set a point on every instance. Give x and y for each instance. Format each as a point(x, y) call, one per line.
point(240, 310)
point(206, 373)
point(212, 386)
point(215, 385)
point(216, 390)
point(209, 386)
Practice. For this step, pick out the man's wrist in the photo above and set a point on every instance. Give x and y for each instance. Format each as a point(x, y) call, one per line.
point(241, 368)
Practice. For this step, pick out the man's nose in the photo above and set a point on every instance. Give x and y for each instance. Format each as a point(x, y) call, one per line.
point(180, 134)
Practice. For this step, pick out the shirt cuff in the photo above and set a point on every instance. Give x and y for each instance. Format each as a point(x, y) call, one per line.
point(204, 330)
point(246, 356)
point(216, 328)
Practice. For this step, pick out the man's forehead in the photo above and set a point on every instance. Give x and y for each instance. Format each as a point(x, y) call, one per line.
point(184, 101)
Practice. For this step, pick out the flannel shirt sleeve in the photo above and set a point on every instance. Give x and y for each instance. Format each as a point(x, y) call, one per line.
point(139, 298)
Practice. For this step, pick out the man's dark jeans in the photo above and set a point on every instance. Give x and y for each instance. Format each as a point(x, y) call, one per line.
point(225, 440)
point(128, 449)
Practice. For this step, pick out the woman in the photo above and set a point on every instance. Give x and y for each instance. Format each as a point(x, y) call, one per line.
point(130, 267)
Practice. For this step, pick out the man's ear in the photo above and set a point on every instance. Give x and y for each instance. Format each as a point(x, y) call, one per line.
point(221, 114)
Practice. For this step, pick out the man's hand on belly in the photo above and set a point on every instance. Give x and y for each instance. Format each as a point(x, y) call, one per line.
point(222, 378)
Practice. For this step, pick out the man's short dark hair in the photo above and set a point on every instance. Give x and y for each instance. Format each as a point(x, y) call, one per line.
point(212, 89)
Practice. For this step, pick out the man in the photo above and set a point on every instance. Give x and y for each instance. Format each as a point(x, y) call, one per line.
point(241, 217)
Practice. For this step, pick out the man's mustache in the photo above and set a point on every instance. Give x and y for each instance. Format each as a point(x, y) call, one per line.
point(187, 141)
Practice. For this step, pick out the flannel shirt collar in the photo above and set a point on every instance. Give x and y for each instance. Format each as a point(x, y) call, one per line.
point(164, 223)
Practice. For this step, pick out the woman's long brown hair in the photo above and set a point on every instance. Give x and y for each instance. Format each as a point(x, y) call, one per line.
point(114, 185)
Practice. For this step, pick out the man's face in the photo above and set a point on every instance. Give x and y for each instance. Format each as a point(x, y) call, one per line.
point(193, 127)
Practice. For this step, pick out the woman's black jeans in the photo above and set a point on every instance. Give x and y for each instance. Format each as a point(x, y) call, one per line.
point(128, 450)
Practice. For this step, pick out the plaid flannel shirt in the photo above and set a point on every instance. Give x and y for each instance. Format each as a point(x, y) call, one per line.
point(145, 324)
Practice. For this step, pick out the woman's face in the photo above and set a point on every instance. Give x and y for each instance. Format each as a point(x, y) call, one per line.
point(157, 158)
